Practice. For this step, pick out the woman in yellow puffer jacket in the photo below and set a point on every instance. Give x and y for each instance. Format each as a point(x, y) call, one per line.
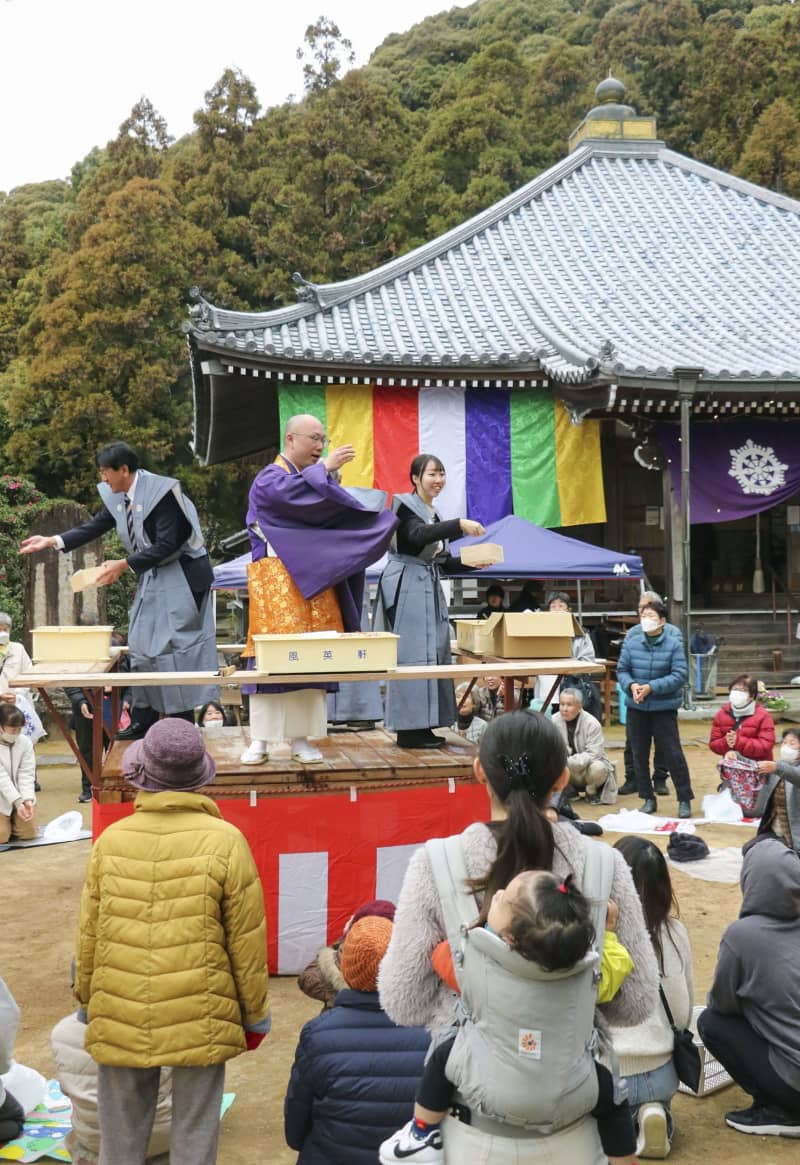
point(171, 961)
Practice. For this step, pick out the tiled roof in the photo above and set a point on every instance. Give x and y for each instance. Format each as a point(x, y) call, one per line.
point(623, 259)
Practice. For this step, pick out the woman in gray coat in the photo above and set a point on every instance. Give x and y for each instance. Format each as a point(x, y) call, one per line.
point(411, 603)
point(522, 762)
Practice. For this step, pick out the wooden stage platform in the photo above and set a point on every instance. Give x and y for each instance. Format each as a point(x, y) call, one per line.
point(353, 760)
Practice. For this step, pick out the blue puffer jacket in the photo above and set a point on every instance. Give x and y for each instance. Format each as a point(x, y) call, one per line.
point(353, 1082)
point(659, 661)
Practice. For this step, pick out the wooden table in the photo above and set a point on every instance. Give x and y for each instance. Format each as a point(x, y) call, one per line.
point(93, 676)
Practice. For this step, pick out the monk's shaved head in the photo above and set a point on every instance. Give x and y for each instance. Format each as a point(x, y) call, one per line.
point(304, 440)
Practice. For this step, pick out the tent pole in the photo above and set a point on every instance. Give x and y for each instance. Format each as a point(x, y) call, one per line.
point(580, 600)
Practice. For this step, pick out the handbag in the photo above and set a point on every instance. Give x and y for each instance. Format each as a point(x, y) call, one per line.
point(685, 1053)
point(744, 782)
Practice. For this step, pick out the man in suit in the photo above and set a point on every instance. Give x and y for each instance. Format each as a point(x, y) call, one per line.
point(171, 625)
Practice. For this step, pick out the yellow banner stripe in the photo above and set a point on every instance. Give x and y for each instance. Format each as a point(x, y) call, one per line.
point(579, 470)
point(349, 416)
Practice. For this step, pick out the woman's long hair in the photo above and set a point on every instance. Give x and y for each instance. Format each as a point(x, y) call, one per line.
point(653, 885)
point(523, 755)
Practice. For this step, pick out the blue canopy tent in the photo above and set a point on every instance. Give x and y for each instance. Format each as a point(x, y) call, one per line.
point(530, 552)
point(534, 552)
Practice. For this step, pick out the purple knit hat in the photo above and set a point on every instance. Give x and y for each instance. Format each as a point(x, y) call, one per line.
point(376, 908)
point(172, 756)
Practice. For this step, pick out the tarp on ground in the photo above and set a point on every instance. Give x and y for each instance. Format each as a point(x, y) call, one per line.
point(530, 552)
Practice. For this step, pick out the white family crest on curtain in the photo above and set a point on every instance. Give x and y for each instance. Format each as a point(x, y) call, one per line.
point(757, 469)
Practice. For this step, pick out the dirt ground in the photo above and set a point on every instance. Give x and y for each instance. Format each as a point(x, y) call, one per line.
point(40, 892)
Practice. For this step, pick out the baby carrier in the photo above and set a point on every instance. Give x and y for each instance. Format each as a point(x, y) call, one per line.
point(524, 1050)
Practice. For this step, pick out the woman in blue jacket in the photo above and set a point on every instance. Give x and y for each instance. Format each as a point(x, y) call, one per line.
point(652, 672)
point(355, 1072)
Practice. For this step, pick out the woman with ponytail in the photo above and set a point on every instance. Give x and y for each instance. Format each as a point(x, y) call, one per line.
point(523, 763)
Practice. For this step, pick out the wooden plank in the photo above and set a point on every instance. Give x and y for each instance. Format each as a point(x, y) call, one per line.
point(54, 677)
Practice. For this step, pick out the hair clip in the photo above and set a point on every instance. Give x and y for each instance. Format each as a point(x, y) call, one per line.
point(563, 888)
point(519, 770)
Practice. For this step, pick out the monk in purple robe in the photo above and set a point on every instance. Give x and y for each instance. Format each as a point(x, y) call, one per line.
point(318, 541)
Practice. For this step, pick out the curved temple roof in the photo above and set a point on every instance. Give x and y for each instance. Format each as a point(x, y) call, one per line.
point(623, 259)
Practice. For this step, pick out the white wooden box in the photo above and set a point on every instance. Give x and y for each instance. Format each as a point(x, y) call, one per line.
point(326, 651)
point(65, 644)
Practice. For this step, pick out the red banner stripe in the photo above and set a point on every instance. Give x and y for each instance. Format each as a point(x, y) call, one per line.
point(395, 430)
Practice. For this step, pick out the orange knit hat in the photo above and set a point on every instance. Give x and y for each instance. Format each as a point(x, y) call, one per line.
point(363, 950)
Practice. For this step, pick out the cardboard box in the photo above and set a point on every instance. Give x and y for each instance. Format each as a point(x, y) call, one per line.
point(65, 644)
point(325, 651)
point(482, 554)
point(508, 635)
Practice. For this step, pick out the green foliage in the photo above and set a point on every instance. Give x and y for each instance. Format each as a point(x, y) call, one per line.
point(445, 119)
point(325, 54)
point(771, 155)
point(20, 503)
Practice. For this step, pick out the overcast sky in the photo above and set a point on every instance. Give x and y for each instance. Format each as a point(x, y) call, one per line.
point(72, 69)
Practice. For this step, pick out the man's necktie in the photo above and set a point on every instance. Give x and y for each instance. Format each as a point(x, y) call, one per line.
point(129, 521)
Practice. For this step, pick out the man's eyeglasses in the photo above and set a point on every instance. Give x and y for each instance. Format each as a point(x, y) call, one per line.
point(314, 438)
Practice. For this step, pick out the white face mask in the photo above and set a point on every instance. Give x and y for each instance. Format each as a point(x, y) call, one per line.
point(4, 637)
point(740, 699)
point(649, 624)
point(10, 737)
point(213, 726)
point(789, 753)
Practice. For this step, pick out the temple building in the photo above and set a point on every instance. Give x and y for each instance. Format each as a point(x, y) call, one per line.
point(552, 351)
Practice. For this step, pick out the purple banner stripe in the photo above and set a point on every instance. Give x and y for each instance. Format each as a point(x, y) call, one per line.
point(488, 434)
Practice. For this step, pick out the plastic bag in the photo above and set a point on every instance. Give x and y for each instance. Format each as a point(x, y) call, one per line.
point(64, 828)
point(25, 1084)
point(721, 807)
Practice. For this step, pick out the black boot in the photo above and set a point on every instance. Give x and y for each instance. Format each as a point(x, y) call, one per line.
point(418, 738)
point(628, 788)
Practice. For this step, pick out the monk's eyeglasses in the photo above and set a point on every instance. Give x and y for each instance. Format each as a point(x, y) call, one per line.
point(314, 438)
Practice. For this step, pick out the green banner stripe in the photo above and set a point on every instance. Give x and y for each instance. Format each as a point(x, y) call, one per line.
point(534, 484)
point(301, 398)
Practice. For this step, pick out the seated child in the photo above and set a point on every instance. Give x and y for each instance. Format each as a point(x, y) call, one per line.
point(548, 922)
point(468, 724)
point(779, 801)
point(17, 777)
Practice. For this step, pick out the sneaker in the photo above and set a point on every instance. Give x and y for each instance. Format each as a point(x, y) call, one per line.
point(763, 1121)
point(653, 1133)
point(684, 809)
point(254, 754)
point(84, 798)
point(305, 753)
point(405, 1146)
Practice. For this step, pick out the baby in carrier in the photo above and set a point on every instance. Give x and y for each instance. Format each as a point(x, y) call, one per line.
point(547, 922)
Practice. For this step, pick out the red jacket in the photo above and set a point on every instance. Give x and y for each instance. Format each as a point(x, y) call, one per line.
point(755, 735)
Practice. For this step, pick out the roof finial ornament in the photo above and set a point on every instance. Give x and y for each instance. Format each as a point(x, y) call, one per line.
point(607, 352)
point(200, 311)
point(610, 90)
point(305, 290)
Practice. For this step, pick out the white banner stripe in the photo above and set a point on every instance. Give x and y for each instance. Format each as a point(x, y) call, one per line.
point(302, 909)
point(442, 431)
point(390, 869)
